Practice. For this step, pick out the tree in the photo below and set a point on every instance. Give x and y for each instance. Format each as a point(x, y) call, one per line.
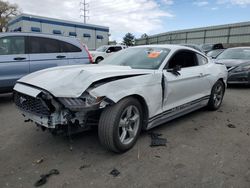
point(144, 35)
point(129, 39)
point(7, 11)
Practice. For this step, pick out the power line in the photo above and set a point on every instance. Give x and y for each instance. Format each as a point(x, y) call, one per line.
point(84, 10)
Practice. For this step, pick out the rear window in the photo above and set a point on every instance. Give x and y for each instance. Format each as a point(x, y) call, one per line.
point(43, 45)
point(67, 47)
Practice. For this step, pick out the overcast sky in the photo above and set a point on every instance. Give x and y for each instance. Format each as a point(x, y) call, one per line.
point(143, 16)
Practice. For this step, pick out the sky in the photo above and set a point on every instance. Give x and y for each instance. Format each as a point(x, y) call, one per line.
point(142, 16)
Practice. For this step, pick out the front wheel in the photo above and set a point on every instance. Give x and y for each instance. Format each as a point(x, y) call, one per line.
point(98, 60)
point(216, 96)
point(120, 125)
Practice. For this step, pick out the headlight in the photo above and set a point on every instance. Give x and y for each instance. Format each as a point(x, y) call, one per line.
point(85, 101)
point(242, 68)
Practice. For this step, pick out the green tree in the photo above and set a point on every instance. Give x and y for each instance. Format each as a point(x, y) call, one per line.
point(129, 39)
point(144, 35)
point(7, 11)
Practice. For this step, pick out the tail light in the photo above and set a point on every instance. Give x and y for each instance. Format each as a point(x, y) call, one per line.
point(89, 55)
point(87, 50)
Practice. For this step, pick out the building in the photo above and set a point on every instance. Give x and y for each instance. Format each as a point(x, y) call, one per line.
point(229, 34)
point(91, 35)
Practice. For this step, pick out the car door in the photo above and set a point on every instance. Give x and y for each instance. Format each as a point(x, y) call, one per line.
point(75, 54)
point(186, 85)
point(45, 53)
point(109, 51)
point(14, 62)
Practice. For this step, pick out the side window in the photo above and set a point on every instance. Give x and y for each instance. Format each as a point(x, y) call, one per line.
point(110, 50)
point(43, 45)
point(66, 47)
point(183, 59)
point(35, 45)
point(201, 60)
point(117, 48)
point(12, 45)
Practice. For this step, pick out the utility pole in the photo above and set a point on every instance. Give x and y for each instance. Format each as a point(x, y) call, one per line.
point(84, 9)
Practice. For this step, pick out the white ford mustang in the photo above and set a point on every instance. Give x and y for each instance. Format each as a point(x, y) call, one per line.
point(137, 88)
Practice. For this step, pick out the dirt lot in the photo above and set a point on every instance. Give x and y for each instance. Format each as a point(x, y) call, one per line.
point(202, 151)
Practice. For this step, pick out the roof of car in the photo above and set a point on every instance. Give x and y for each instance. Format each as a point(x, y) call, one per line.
point(33, 34)
point(72, 40)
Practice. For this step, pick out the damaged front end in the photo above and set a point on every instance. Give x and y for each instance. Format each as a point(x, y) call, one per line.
point(60, 114)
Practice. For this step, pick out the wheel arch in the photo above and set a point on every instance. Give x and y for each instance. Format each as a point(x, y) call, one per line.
point(99, 57)
point(144, 106)
point(222, 80)
point(224, 83)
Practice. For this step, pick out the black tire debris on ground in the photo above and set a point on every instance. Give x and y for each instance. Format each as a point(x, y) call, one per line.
point(84, 166)
point(230, 125)
point(44, 177)
point(115, 172)
point(156, 140)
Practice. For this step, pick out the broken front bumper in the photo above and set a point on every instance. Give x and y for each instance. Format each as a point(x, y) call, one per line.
point(35, 109)
point(45, 110)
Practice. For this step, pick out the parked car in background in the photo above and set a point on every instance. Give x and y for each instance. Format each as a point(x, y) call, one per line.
point(104, 51)
point(214, 53)
point(194, 46)
point(137, 88)
point(208, 47)
point(23, 53)
point(237, 61)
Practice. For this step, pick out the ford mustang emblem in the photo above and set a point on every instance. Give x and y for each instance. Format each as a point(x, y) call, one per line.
point(22, 100)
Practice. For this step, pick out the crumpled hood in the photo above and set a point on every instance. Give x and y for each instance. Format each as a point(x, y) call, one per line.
point(72, 81)
point(231, 62)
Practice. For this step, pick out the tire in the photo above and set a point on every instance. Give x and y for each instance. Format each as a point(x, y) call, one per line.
point(116, 131)
point(216, 96)
point(98, 60)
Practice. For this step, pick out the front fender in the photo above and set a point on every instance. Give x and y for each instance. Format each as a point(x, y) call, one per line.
point(146, 86)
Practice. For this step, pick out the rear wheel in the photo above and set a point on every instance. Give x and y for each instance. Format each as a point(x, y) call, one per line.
point(98, 60)
point(120, 125)
point(216, 96)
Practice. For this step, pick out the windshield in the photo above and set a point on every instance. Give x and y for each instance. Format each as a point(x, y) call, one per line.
point(214, 53)
point(102, 49)
point(207, 47)
point(138, 58)
point(237, 53)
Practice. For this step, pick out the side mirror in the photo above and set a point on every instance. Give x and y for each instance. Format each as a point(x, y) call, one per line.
point(108, 51)
point(175, 70)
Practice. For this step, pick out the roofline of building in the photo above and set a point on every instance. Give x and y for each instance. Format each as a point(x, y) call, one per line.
point(40, 19)
point(216, 27)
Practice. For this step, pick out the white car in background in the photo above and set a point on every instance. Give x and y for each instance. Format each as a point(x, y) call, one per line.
point(137, 88)
point(104, 51)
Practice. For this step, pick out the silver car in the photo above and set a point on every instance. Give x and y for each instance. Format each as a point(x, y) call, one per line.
point(23, 53)
point(137, 88)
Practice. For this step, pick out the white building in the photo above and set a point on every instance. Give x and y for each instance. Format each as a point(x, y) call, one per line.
point(91, 35)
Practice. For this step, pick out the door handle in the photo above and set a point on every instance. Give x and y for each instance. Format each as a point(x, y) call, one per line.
point(19, 58)
point(60, 56)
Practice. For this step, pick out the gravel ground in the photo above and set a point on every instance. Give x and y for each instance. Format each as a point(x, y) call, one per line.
point(202, 151)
